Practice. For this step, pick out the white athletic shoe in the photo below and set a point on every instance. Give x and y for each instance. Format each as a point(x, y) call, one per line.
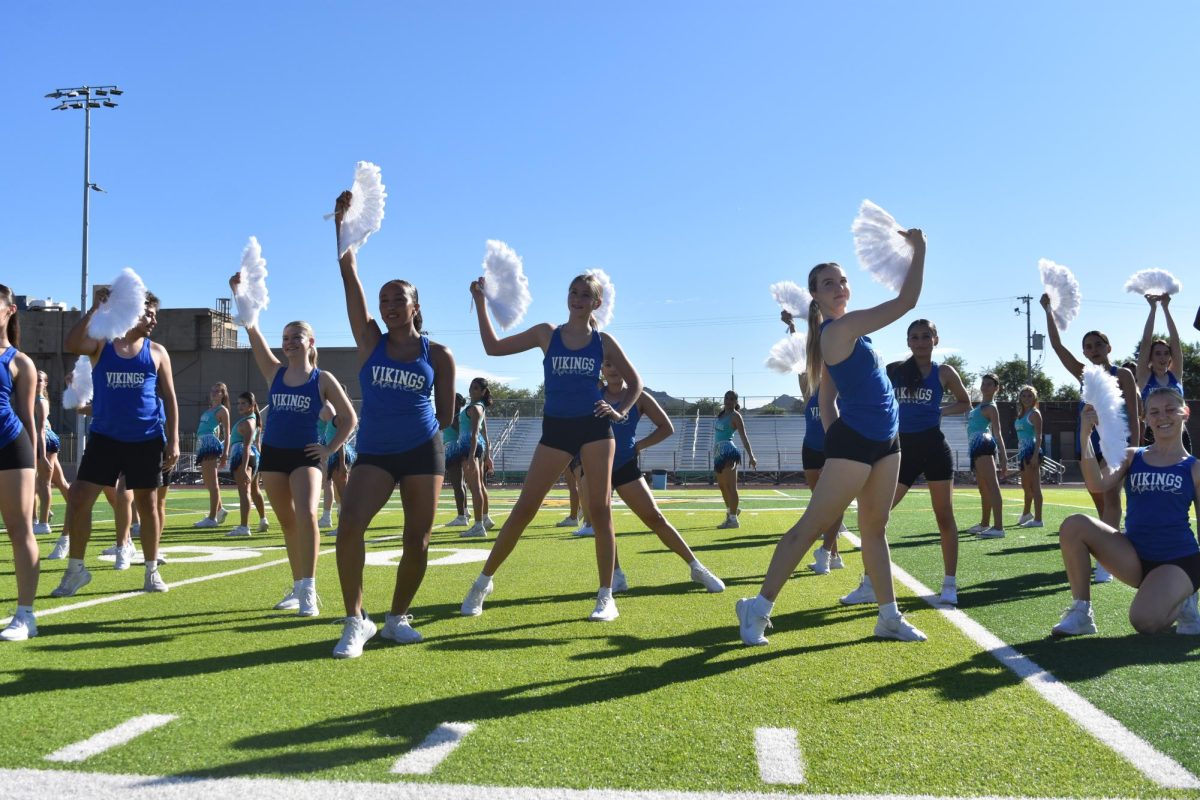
point(61, 547)
point(1075, 621)
point(472, 606)
point(731, 521)
point(263, 525)
point(290, 602)
point(949, 596)
point(207, 522)
point(1023, 519)
point(843, 528)
point(605, 610)
point(476, 531)
point(41, 528)
point(72, 582)
point(22, 627)
point(1188, 622)
point(865, 593)
point(135, 529)
point(309, 603)
point(355, 633)
point(240, 530)
point(124, 556)
point(567, 522)
point(620, 581)
point(111, 550)
point(1102, 575)
point(752, 627)
point(1032, 523)
point(461, 521)
point(977, 529)
point(154, 583)
point(399, 629)
point(992, 533)
point(584, 530)
point(836, 562)
point(820, 564)
point(222, 513)
point(898, 628)
point(325, 522)
point(488, 522)
point(702, 576)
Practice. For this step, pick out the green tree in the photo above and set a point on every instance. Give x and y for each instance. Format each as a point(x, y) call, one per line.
point(960, 366)
point(1013, 374)
point(707, 406)
point(1066, 391)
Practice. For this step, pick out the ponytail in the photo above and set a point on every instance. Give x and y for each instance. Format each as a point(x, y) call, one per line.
point(812, 347)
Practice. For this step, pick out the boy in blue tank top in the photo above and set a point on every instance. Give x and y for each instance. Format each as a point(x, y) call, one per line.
point(129, 375)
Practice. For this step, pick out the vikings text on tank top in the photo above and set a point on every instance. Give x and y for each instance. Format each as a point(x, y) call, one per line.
point(978, 425)
point(1152, 384)
point(814, 431)
point(464, 425)
point(623, 432)
point(1158, 501)
point(865, 399)
point(292, 423)
point(572, 376)
point(10, 423)
point(125, 396)
point(397, 406)
point(208, 424)
point(921, 408)
point(723, 428)
point(235, 435)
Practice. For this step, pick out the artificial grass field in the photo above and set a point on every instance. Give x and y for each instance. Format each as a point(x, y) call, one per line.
point(664, 698)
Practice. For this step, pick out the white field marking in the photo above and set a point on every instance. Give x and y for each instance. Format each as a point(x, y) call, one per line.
point(785, 494)
point(1145, 758)
point(206, 554)
point(390, 558)
point(778, 756)
point(437, 747)
point(114, 737)
point(32, 784)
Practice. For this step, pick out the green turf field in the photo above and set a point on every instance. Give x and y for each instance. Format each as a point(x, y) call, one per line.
point(664, 698)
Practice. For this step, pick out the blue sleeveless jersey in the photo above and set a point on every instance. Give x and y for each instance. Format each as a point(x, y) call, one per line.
point(814, 431)
point(1152, 384)
point(920, 408)
point(623, 432)
point(125, 396)
point(865, 399)
point(572, 377)
point(1158, 500)
point(397, 406)
point(292, 421)
point(10, 423)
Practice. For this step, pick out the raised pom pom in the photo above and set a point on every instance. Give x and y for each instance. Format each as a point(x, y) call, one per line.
point(792, 298)
point(365, 214)
point(880, 248)
point(1103, 392)
point(505, 284)
point(79, 392)
point(1063, 289)
point(251, 295)
point(125, 305)
point(608, 297)
point(788, 354)
point(1153, 281)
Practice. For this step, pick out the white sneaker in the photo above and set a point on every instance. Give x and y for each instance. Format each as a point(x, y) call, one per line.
point(605, 610)
point(702, 576)
point(72, 582)
point(263, 525)
point(154, 583)
point(124, 555)
point(949, 596)
point(135, 529)
point(836, 562)
point(111, 550)
point(399, 629)
point(240, 530)
point(750, 626)
point(355, 633)
point(488, 522)
point(472, 606)
point(820, 563)
point(620, 581)
point(843, 528)
point(1188, 622)
point(22, 627)
point(222, 513)
point(991, 533)
point(1023, 519)
point(898, 628)
point(1102, 575)
point(476, 531)
point(731, 521)
point(290, 602)
point(41, 528)
point(1033, 523)
point(567, 522)
point(865, 593)
point(325, 522)
point(61, 547)
point(977, 529)
point(309, 603)
point(207, 522)
point(1075, 621)
point(584, 530)
point(461, 521)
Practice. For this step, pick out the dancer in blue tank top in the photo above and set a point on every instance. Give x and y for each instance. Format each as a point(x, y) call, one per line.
point(243, 463)
point(49, 470)
point(408, 398)
point(726, 456)
point(988, 457)
point(128, 437)
point(862, 449)
point(212, 452)
point(1029, 456)
point(291, 457)
point(1158, 555)
point(1160, 363)
point(575, 421)
point(18, 383)
point(336, 468)
point(474, 458)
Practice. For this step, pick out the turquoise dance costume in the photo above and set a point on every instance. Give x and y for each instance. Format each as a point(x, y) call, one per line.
point(326, 430)
point(463, 446)
point(979, 434)
point(238, 447)
point(1027, 444)
point(208, 437)
point(724, 451)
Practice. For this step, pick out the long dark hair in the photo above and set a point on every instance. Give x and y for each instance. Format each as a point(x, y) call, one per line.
point(14, 322)
point(250, 398)
point(486, 396)
point(906, 373)
point(419, 319)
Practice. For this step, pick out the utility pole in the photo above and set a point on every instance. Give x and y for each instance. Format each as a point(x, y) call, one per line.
point(1027, 299)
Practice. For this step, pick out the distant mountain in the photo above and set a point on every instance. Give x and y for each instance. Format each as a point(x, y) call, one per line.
point(672, 405)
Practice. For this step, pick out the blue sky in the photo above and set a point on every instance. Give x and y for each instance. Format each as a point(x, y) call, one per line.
point(696, 151)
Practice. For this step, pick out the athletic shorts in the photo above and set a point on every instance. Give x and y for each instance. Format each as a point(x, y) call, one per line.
point(166, 478)
point(570, 434)
point(986, 447)
point(17, 454)
point(626, 473)
point(286, 459)
point(925, 452)
point(1189, 564)
point(575, 464)
point(812, 459)
point(842, 441)
point(105, 458)
point(428, 458)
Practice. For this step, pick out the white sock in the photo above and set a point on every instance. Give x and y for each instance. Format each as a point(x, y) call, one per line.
point(695, 564)
point(605, 591)
point(889, 610)
point(1083, 605)
point(483, 580)
point(74, 564)
point(867, 580)
point(761, 606)
point(306, 583)
point(949, 580)
point(151, 565)
point(24, 610)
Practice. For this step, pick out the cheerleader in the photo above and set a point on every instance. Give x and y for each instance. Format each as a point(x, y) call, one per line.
point(1158, 554)
point(291, 458)
point(212, 452)
point(472, 448)
point(982, 447)
point(337, 467)
point(403, 376)
point(726, 456)
point(454, 467)
point(1029, 457)
point(862, 448)
point(49, 470)
point(18, 383)
point(575, 421)
point(1157, 360)
point(243, 463)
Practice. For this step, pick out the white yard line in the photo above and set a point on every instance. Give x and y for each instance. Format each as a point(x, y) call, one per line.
point(436, 748)
point(778, 756)
point(114, 737)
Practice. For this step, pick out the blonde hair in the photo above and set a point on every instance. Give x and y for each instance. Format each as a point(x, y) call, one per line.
point(594, 286)
point(812, 348)
point(224, 393)
point(45, 392)
point(1033, 390)
point(308, 331)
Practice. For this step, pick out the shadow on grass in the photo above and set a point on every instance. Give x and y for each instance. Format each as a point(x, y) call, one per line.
point(1012, 589)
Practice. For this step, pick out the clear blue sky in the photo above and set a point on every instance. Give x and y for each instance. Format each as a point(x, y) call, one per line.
point(696, 151)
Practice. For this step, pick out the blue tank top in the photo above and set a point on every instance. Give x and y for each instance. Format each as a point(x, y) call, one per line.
point(208, 424)
point(1152, 384)
point(1158, 501)
point(1025, 431)
point(397, 405)
point(814, 431)
point(125, 396)
point(723, 428)
point(978, 426)
point(295, 410)
point(865, 399)
point(623, 432)
point(10, 423)
point(920, 409)
point(572, 377)
point(464, 426)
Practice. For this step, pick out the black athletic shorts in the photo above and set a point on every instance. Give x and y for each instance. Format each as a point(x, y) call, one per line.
point(812, 459)
point(428, 458)
point(166, 478)
point(570, 434)
point(105, 458)
point(925, 452)
point(842, 441)
point(1189, 564)
point(17, 454)
point(626, 473)
point(286, 459)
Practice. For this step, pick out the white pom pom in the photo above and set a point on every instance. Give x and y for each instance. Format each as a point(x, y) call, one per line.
point(251, 295)
point(608, 297)
point(788, 354)
point(792, 298)
point(1103, 392)
point(1063, 289)
point(505, 284)
point(881, 249)
point(365, 214)
point(1153, 281)
point(125, 305)
point(79, 393)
